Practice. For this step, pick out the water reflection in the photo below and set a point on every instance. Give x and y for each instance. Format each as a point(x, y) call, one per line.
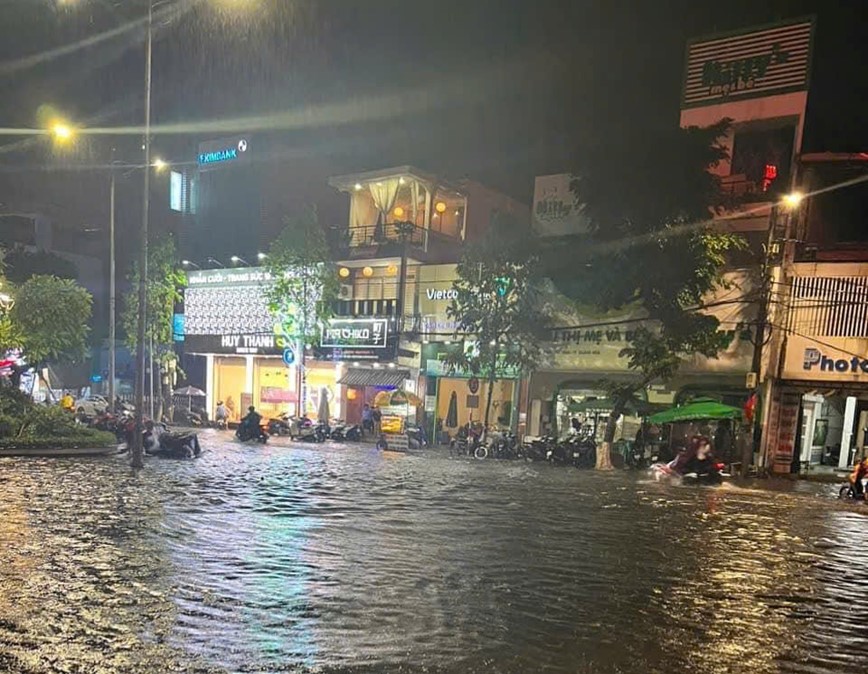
point(333, 559)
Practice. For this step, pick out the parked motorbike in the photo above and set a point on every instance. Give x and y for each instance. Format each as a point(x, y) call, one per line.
point(302, 428)
point(416, 437)
point(280, 425)
point(341, 431)
point(160, 441)
point(581, 451)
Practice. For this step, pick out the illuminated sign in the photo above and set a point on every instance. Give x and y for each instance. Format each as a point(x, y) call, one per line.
point(747, 64)
point(370, 333)
point(222, 151)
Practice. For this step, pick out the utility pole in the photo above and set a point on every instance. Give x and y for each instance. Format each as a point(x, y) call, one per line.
point(138, 448)
point(112, 287)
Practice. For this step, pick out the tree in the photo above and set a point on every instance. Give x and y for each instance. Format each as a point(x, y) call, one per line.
point(165, 281)
point(21, 264)
point(650, 245)
point(499, 306)
point(303, 288)
point(50, 320)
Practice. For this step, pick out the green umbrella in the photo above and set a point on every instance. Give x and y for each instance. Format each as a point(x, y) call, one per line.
point(699, 409)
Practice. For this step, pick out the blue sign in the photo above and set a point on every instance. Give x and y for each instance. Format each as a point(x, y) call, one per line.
point(223, 154)
point(178, 327)
point(96, 378)
point(288, 357)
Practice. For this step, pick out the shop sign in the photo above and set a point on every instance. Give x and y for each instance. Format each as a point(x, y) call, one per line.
point(785, 442)
point(826, 359)
point(441, 294)
point(369, 333)
point(269, 345)
point(223, 151)
point(747, 64)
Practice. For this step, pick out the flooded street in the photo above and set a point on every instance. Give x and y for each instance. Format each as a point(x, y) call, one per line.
point(333, 559)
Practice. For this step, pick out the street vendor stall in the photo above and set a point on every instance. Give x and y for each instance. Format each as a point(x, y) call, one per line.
point(395, 408)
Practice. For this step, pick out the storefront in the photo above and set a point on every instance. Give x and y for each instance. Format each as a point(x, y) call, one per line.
point(454, 398)
point(817, 414)
point(590, 351)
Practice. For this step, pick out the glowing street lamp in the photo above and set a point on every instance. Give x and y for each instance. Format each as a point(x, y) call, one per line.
point(235, 260)
point(159, 164)
point(188, 263)
point(793, 199)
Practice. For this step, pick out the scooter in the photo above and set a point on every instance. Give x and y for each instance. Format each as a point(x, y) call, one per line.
point(245, 433)
point(302, 428)
point(280, 425)
point(171, 444)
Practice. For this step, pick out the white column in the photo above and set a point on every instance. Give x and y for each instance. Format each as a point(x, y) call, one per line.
point(248, 377)
point(210, 385)
point(847, 435)
point(809, 421)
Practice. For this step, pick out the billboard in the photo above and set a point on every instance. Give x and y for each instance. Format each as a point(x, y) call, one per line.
point(226, 311)
point(749, 63)
point(358, 339)
point(555, 212)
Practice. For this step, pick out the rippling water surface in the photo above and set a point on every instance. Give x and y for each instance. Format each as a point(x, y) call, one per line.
point(331, 559)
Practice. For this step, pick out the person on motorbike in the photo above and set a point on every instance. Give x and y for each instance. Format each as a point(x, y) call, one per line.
point(250, 423)
point(860, 472)
point(697, 458)
point(221, 414)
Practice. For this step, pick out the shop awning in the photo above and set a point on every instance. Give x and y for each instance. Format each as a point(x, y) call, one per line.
point(360, 376)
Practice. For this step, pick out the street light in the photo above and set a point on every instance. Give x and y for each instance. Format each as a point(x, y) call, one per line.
point(792, 199)
point(188, 263)
point(216, 261)
point(261, 256)
point(159, 165)
point(235, 260)
point(62, 131)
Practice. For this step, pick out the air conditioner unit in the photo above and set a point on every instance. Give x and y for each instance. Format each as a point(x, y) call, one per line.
point(345, 292)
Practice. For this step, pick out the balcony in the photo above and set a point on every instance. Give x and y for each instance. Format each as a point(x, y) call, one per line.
point(388, 240)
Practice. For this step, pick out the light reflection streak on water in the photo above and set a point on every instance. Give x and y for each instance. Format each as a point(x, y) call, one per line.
point(344, 560)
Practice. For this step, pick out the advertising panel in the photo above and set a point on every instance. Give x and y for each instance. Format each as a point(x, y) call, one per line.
point(748, 64)
point(226, 311)
point(833, 359)
point(555, 212)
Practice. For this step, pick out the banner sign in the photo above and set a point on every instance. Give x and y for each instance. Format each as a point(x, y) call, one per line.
point(370, 333)
point(748, 64)
point(841, 359)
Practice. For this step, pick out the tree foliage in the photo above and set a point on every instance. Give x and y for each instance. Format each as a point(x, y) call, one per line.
point(650, 244)
point(163, 291)
point(304, 285)
point(50, 319)
point(165, 281)
point(499, 307)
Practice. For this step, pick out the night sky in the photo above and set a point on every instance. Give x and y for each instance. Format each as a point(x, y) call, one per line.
point(500, 90)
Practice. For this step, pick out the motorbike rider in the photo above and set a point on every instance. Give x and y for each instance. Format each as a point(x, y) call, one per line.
point(250, 423)
point(697, 458)
point(221, 414)
point(860, 472)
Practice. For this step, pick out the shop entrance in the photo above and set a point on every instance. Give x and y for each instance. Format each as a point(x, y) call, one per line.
point(810, 427)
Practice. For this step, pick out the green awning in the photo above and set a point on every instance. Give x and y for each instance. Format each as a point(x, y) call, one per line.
point(699, 410)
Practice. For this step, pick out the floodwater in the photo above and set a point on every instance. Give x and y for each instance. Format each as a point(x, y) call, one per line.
point(335, 559)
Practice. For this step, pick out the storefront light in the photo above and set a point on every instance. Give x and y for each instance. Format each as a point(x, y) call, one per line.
point(367, 271)
point(440, 206)
point(392, 269)
point(392, 365)
point(358, 186)
point(343, 272)
point(398, 211)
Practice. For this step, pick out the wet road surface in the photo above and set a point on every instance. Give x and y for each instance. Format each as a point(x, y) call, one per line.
point(342, 559)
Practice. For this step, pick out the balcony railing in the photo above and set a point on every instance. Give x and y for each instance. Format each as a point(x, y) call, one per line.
point(353, 308)
point(388, 239)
